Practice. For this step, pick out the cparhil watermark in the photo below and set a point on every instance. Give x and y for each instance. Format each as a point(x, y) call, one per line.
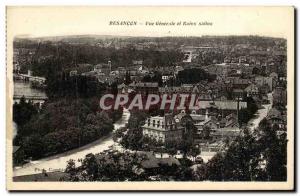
point(145, 102)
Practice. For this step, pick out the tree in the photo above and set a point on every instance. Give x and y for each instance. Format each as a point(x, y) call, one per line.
point(62, 125)
point(194, 151)
point(127, 78)
point(33, 146)
point(23, 111)
point(206, 132)
point(256, 71)
point(274, 153)
point(136, 119)
point(156, 77)
point(133, 139)
point(192, 76)
point(90, 165)
point(71, 167)
point(215, 168)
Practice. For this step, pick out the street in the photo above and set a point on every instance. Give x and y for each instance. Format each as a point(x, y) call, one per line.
point(261, 114)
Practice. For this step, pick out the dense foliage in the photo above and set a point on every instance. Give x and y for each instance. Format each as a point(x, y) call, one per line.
point(67, 56)
point(193, 76)
point(116, 166)
point(63, 125)
point(23, 111)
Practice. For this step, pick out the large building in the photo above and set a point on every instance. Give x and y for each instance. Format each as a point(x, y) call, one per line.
point(220, 107)
point(144, 87)
point(163, 129)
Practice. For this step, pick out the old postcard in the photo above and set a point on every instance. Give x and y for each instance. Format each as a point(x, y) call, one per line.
point(150, 98)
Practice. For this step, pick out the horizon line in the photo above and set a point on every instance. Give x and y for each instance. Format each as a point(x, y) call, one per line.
point(29, 36)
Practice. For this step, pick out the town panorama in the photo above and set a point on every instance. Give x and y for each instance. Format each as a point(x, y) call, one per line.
point(112, 108)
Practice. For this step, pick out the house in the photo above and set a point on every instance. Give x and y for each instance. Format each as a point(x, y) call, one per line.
point(185, 89)
point(230, 121)
point(221, 107)
point(237, 93)
point(178, 69)
point(261, 81)
point(274, 76)
point(205, 128)
point(209, 122)
point(247, 70)
point(236, 83)
point(239, 83)
point(166, 75)
point(124, 89)
point(193, 116)
point(122, 70)
point(73, 73)
point(225, 133)
point(276, 118)
point(280, 96)
point(205, 96)
point(103, 68)
point(144, 87)
point(137, 62)
point(163, 129)
point(252, 90)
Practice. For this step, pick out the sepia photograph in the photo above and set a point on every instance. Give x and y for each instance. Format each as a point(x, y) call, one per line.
point(150, 98)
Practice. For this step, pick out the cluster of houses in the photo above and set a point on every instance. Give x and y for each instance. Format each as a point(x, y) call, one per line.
point(105, 73)
point(219, 101)
point(219, 122)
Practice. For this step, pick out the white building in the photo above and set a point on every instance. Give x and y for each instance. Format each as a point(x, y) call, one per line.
point(163, 129)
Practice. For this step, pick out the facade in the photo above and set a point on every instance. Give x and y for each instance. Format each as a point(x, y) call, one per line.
point(163, 129)
point(103, 68)
point(144, 87)
point(280, 96)
point(73, 73)
point(261, 81)
point(276, 118)
point(252, 90)
point(238, 83)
